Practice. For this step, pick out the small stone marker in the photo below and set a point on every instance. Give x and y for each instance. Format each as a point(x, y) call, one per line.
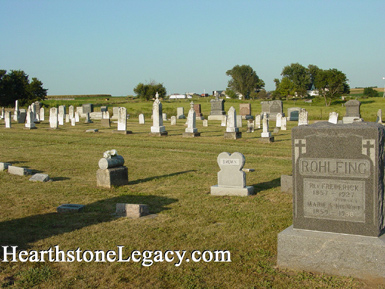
point(105, 122)
point(338, 201)
point(41, 112)
point(164, 116)
point(4, 166)
point(77, 116)
point(205, 123)
point(231, 177)
point(232, 131)
point(352, 111)
point(19, 171)
point(287, 184)
point(302, 118)
point(173, 120)
point(333, 117)
point(73, 122)
point(7, 119)
point(141, 119)
point(132, 210)
point(180, 113)
point(258, 121)
point(39, 178)
point(70, 208)
point(191, 129)
point(278, 120)
point(111, 171)
point(92, 130)
point(283, 123)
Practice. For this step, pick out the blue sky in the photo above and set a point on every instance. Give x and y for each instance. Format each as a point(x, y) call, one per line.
point(89, 47)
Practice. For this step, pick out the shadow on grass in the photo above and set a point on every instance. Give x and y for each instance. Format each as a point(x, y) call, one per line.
point(267, 185)
point(21, 232)
point(159, 177)
point(56, 179)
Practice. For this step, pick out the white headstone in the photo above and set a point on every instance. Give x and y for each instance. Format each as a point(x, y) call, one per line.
point(77, 117)
point(105, 114)
point(278, 120)
point(258, 121)
point(16, 113)
point(60, 118)
point(67, 118)
point(173, 120)
point(164, 116)
point(302, 117)
point(224, 120)
point(283, 123)
point(73, 121)
point(157, 119)
point(265, 126)
point(42, 117)
point(71, 112)
point(53, 118)
point(7, 119)
point(180, 113)
point(333, 117)
point(205, 123)
point(191, 120)
point(29, 123)
point(141, 119)
point(232, 120)
point(122, 119)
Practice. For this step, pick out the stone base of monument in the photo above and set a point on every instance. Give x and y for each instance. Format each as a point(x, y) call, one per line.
point(215, 117)
point(191, 134)
point(122, 131)
point(132, 210)
point(233, 135)
point(163, 133)
point(351, 119)
point(112, 177)
point(332, 253)
point(228, 191)
point(267, 139)
point(105, 122)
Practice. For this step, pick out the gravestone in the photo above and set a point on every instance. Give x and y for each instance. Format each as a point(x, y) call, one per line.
point(105, 122)
point(122, 121)
point(164, 116)
point(29, 123)
point(111, 171)
point(67, 116)
point(191, 129)
point(35, 109)
point(53, 118)
point(4, 166)
point(257, 121)
point(88, 108)
point(62, 110)
point(104, 108)
point(79, 110)
point(42, 112)
point(19, 171)
point(96, 115)
point(338, 201)
point(217, 108)
point(70, 208)
point(352, 111)
point(198, 113)
point(302, 118)
point(60, 117)
point(115, 111)
point(232, 131)
point(250, 125)
point(141, 119)
point(132, 210)
point(293, 113)
point(283, 123)
point(22, 116)
point(16, 112)
point(173, 120)
point(224, 120)
point(87, 116)
point(205, 123)
point(106, 114)
point(333, 117)
point(278, 120)
point(266, 135)
point(180, 113)
point(379, 116)
point(272, 108)
point(7, 119)
point(287, 184)
point(71, 111)
point(40, 178)
point(231, 177)
point(77, 117)
point(157, 128)
point(245, 110)
point(73, 122)
point(239, 121)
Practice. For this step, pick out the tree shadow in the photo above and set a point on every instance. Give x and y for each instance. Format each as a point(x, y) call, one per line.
point(21, 232)
point(267, 185)
point(158, 177)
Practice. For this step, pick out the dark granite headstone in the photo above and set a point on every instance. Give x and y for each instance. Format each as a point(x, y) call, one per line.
point(197, 109)
point(293, 113)
point(88, 108)
point(352, 111)
point(272, 108)
point(217, 106)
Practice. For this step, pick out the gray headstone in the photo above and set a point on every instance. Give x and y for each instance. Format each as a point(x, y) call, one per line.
point(19, 171)
point(157, 127)
point(132, 210)
point(89, 107)
point(352, 111)
point(7, 119)
point(180, 113)
point(293, 113)
point(39, 178)
point(217, 106)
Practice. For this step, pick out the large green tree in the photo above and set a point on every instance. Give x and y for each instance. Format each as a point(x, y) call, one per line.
point(148, 91)
point(15, 85)
point(244, 80)
point(299, 76)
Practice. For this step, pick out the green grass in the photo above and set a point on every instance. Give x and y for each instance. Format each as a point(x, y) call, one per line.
point(173, 176)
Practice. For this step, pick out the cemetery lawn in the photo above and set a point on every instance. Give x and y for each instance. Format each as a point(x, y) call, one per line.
point(173, 176)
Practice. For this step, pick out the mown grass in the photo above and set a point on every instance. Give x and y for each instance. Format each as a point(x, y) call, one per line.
point(173, 176)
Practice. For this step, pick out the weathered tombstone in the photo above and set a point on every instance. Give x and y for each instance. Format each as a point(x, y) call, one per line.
point(173, 120)
point(239, 120)
point(164, 116)
point(87, 120)
point(111, 171)
point(217, 108)
point(245, 110)
point(191, 129)
point(122, 120)
point(141, 119)
point(71, 112)
point(250, 125)
point(379, 116)
point(35, 108)
point(352, 111)
point(88, 107)
point(7, 119)
point(180, 113)
point(338, 201)
point(22, 116)
point(16, 112)
point(73, 122)
point(266, 135)
point(132, 210)
point(60, 117)
point(19, 171)
point(224, 120)
point(105, 122)
point(79, 110)
point(232, 131)
point(278, 120)
point(77, 117)
point(30, 124)
point(205, 123)
point(198, 112)
point(293, 113)
point(67, 116)
point(333, 117)
point(231, 177)
point(42, 112)
point(53, 118)
point(4, 166)
point(105, 114)
point(287, 184)
point(283, 123)
point(96, 115)
point(115, 111)
point(157, 128)
point(62, 110)
point(272, 108)
point(39, 178)
point(302, 118)
point(258, 121)
point(70, 208)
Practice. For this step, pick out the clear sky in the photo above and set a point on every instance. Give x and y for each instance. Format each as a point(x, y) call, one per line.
point(89, 47)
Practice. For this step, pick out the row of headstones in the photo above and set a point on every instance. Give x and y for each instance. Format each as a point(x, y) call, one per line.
point(21, 171)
